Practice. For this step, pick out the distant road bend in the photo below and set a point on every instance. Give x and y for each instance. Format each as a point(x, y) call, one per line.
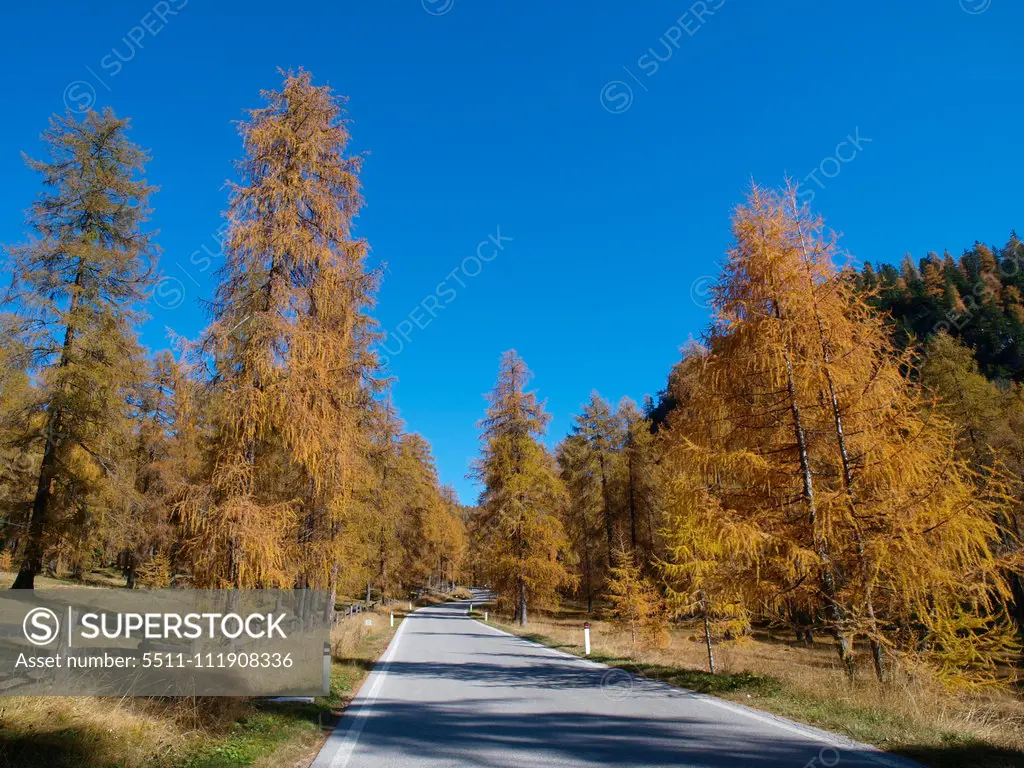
point(450, 691)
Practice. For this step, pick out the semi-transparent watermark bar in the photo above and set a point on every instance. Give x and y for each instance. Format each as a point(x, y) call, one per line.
point(165, 642)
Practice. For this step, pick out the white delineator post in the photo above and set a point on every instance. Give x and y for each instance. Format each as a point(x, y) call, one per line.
point(470, 607)
point(586, 638)
point(327, 670)
point(485, 615)
point(392, 619)
point(410, 605)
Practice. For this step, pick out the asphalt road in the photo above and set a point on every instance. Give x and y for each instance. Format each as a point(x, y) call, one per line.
point(450, 691)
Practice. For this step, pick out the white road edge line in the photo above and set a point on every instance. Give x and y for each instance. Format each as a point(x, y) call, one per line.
point(835, 741)
point(362, 704)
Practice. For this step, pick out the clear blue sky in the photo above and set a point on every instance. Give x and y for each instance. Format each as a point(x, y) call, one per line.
point(483, 114)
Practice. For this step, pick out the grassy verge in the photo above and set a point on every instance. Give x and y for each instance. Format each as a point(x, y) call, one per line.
point(51, 732)
point(779, 676)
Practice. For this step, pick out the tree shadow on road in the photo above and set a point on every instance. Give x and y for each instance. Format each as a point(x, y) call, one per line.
point(964, 756)
point(53, 749)
point(542, 673)
point(471, 732)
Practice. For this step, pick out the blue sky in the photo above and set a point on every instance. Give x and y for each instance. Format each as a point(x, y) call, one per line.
point(606, 142)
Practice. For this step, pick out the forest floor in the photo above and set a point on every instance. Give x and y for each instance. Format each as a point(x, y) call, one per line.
point(774, 673)
point(88, 732)
point(101, 577)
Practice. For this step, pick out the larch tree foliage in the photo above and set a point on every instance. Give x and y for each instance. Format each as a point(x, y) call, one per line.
point(379, 519)
point(608, 464)
point(824, 474)
point(713, 551)
point(166, 458)
point(449, 537)
point(603, 435)
point(18, 467)
point(583, 526)
point(420, 510)
point(70, 318)
point(640, 485)
point(990, 419)
point(288, 351)
point(433, 535)
point(635, 600)
point(519, 520)
point(408, 532)
point(909, 512)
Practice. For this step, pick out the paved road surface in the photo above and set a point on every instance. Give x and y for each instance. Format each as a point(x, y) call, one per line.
point(451, 691)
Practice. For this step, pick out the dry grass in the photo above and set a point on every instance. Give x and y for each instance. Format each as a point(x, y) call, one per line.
point(351, 633)
point(910, 715)
point(86, 731)
point(66, 732)
point(103, 577)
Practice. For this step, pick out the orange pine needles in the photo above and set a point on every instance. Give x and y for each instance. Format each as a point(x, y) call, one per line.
point(809, 481)
point(288, 350)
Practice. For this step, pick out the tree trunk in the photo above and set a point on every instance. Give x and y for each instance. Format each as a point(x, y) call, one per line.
point(632, 502)
point(878, 658)
point(877, 652)
point(32, 560)
point(1017, 587)
point(828, 577)
point(332, 596)
point(707, 639)
point(608, 528)
point(522, 603)
point(844, 455)
point(588, 568)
